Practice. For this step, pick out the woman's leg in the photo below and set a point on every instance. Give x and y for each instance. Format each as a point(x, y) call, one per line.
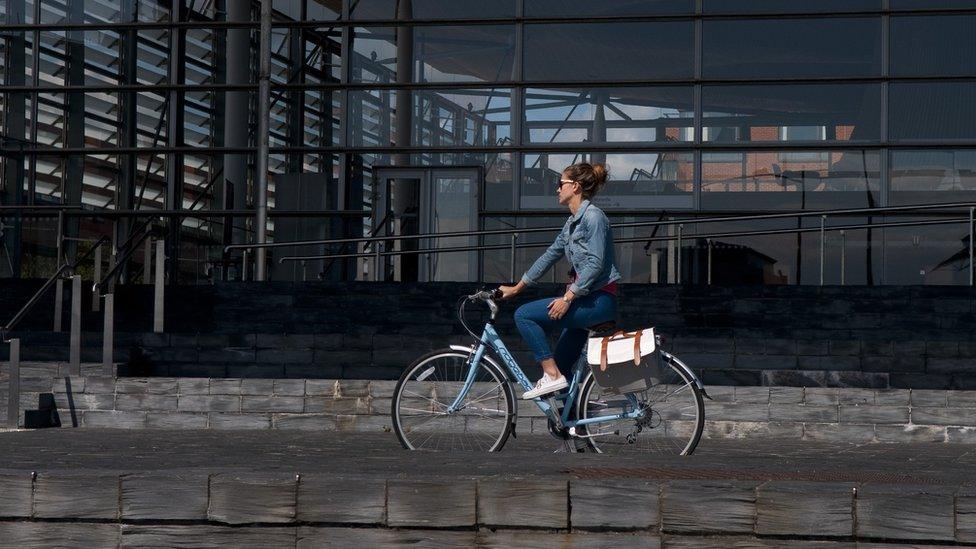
point(533, 322)
point(595, 308)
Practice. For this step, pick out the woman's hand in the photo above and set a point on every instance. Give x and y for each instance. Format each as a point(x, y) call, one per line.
point(558, 308)
point(509, 292)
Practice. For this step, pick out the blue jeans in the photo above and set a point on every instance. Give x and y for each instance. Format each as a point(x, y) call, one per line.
point(533, 322)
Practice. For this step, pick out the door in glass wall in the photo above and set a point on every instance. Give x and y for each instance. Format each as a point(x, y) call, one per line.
point(413, 201)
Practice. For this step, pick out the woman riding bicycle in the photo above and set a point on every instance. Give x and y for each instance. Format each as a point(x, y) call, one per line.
point(591, 296)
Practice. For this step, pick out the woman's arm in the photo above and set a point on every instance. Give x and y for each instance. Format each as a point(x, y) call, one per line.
point(553, 254)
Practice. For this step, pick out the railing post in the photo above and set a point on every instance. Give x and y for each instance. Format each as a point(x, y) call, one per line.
point(108, 336)
point(843, 257)
point(244, 266)
point(147, 253)
point(96, 301)
point(823, 246)
point(514, 241)
point(377, 259)
point(681, 228)
point(303, 262)
point(972, 212)
point(75, 352)
point(709, 261)
point(13, 380)
point(58, 304)
point(158, 299)
point(655, 266)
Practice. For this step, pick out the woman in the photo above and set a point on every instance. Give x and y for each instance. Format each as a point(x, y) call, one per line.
point(590, 298)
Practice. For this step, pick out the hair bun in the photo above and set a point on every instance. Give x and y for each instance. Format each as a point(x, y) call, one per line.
point(600, 173)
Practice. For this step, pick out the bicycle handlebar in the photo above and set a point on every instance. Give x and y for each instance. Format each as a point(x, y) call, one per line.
point(486, 295)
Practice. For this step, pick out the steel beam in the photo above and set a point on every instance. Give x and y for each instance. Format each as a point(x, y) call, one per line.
point(264, 113)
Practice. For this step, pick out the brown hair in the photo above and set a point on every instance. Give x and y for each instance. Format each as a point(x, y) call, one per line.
point(591, 177)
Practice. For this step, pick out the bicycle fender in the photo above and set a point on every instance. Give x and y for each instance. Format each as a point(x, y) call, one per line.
point(684, 367)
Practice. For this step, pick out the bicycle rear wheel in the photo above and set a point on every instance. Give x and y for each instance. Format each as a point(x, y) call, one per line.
point(672, 424)
point(430, 385)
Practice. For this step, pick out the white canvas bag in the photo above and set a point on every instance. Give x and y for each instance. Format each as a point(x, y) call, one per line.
point(620, 347)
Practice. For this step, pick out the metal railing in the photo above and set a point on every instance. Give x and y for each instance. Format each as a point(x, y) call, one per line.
point(377, 253)
point(74, 362)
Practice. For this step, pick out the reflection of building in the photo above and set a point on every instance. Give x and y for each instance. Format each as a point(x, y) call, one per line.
point(150, 106)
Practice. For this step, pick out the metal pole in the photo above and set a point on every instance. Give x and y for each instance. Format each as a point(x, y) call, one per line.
point(158, 298)
point(709, 261)
point(972, 211)
point(58, 304)
point(75, 352)
point(244, 261)
point(681, 228)
point(13, 395)
point(147, 260)
point(303, 263)
point(843, 257)
point(261, 189)
point(514, 242)
point(108, 336)
point(60, 243)
point(377, 260)
point(98, 276)
point(823, 246)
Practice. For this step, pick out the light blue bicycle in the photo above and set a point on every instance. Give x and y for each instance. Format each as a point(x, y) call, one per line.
point(459, 398)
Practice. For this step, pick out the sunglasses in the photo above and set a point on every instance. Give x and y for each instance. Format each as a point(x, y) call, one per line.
point(559, 186)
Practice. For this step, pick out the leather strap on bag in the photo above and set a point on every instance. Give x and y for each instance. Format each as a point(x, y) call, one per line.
point(606, 340)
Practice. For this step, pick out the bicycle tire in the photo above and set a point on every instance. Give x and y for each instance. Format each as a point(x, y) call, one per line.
point(443, 369)
point(687, 427)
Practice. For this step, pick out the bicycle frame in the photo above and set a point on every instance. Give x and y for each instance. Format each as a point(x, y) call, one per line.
point(490, 337)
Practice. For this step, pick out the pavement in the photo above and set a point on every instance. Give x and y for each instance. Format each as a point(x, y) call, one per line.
point(381, 456)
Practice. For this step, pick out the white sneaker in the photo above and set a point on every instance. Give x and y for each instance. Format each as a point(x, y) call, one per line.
point(545, 386)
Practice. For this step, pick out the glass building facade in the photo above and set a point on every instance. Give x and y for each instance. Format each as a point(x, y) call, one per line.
point(412, 116)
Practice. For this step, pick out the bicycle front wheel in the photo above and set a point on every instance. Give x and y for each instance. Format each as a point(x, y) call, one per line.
point(672, 423)
point(427, 389)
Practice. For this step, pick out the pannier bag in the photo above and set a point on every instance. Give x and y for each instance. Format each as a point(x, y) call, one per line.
point(625, 362)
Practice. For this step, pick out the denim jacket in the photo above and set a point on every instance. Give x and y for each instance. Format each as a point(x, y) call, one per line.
point(587, 241)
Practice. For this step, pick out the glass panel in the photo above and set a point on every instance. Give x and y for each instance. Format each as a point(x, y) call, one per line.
point(931, 4)
point(582, 8)
point(932, 177)
point(933, 45)
point(637, 180)
point(374, 54)
point(935, 254)
point(599, 51)
point(608, 115)
point(790, 6)
point(496, 170)
point(316, 10)
point(455, 117)
point(453, 198)
point(435, 9)
point(762, 259)
point(791, 48)
point(932, 110)
point(790, 180)
point(482, 53)
point(804, 112)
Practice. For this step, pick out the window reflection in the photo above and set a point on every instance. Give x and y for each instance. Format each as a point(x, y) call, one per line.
point(637, 180)
point(792, 6)
point(932, 176)
point(608, 115)
point(790, 180)
point(582, 8)
point(464, 54)
point(804, 112)
point(936, 254)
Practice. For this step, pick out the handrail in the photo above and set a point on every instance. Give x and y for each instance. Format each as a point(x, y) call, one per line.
point(373, 232)
point(724, 219)
point(127, 252)
point(637, 239)
point(47, 285)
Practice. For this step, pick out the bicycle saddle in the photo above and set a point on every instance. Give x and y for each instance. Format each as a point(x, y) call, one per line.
point(603, 329)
